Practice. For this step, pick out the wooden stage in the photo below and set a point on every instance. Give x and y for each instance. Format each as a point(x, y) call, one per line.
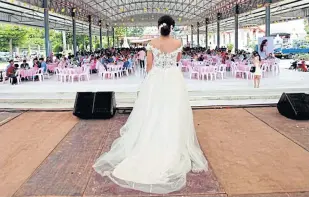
point(253, 152)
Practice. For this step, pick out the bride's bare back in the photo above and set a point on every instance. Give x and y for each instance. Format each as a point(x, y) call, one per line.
point(165, 45)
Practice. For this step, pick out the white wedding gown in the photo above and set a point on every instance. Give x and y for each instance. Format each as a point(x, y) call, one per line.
point(158, 144)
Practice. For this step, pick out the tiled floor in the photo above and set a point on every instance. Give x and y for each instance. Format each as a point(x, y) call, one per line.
point(252, 153)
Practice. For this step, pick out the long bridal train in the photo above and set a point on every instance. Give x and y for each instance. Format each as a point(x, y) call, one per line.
point(158, 144)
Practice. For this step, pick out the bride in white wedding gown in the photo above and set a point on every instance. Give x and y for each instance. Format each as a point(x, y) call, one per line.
point(158, 144)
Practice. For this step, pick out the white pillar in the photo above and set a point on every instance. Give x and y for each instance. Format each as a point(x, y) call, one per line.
point(64, 41)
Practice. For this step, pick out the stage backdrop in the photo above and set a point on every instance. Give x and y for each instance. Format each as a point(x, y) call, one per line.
point(265, 46)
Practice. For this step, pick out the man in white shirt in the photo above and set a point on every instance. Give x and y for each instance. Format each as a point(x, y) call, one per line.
point(141, 57)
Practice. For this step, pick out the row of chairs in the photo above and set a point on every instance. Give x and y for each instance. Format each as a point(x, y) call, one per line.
point(69, 74)
point(208, 72)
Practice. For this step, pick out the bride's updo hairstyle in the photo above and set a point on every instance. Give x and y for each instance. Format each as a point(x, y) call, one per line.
point(165, 24)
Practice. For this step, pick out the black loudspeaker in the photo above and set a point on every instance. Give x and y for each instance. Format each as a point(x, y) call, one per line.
point(294, 106)
point(95, 105)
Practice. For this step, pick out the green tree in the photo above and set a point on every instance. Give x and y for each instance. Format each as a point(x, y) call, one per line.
point(129, 31)
point(55, 38)
point(81, 47)
point(12, 35)
point(57, 49)
point(96, 46)
point(35, 36)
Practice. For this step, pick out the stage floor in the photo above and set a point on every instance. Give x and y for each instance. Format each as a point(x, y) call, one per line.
point(229, 91)
point(254, 152)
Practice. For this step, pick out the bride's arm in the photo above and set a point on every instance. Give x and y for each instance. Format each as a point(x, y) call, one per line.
point(180, 52)
point(179, 56)
point(149, 61)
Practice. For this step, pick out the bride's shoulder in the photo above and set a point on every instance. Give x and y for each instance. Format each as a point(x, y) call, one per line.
point(165, 45)
point(154, 41)
point(151, 44)
point(178, 42)
point(171, 41)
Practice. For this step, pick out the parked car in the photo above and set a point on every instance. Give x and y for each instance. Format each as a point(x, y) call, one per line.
point(4, 56)
point(290, 52)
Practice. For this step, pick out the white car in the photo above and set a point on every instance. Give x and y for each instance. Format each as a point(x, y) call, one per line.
point(5, 56)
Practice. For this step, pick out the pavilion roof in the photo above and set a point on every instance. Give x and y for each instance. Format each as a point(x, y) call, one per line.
point(126, 13)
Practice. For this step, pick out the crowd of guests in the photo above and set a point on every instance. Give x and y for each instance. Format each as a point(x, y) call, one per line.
point(126, 57)
point(13, 67)
point(100, 57)
point(113, 56)
point(197, 54)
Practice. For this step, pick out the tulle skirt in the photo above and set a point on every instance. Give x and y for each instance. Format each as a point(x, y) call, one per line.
point(158, 144)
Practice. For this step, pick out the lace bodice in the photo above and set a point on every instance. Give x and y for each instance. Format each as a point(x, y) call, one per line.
point(163, 60)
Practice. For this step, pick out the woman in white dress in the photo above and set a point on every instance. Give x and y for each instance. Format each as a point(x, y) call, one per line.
point(258, 70)
point(158, 144)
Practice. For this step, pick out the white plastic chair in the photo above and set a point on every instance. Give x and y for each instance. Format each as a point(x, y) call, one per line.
point(73, 73)
point(64, 75)
point(131, 68)
point(85, 74)
point(3, 77)
point(204, 72)
point(213, 72)
point(118, 71)
point(193, 73)
point(40, 74)
point(105, 73)
point(58, 73)
point(248, 73)
point(264, 69)
point(17, 74)
point(222, 71)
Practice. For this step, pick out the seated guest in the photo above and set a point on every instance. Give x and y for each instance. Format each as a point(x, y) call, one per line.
point(11, 63)
point(103, 59)
point(10, 72)
point(98, 63)
point(303, 66)
point(49, 60)
point(35, 63)
point(126, 64)
point(195, 57)
point(43, 64)
point(110, 59)
point(25, 65)
point(130, 59)
point(270, 56)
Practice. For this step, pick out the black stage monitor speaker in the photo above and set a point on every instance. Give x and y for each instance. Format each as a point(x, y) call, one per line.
point(294, 106)
point(95, 105)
